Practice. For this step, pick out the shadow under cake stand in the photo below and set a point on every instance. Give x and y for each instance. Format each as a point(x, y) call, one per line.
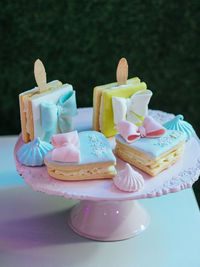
point(104, 212)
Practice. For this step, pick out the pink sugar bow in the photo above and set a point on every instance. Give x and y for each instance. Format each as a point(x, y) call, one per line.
point(150, 128)
point(66, 147)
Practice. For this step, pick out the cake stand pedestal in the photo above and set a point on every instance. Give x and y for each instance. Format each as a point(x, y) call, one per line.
point(108, 220)
point(104, 212)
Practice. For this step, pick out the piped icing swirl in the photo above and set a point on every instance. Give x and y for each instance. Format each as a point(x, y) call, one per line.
point(32, 153)
point(179, 124)
point(128, 179)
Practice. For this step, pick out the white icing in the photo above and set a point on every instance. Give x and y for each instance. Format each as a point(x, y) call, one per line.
point(139, 102)
point(35, 89)
point(26, 114)
point(130, 108)
point(119, 105)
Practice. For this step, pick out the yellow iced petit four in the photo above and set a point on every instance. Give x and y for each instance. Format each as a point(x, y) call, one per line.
point(103, 115)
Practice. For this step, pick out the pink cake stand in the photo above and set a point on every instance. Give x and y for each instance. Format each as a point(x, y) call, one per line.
point(104, 212)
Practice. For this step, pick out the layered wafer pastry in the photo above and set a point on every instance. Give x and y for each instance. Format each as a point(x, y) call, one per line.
point(46, 109)
point(80, 156)
point(151, 149)
point(109, 101)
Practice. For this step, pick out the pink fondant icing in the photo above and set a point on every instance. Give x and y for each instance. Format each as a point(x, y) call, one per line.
point(66, 147)
point(128, 131)
point(150, 128)
point(58, 140)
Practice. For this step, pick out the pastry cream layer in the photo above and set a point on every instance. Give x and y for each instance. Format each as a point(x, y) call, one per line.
point(146, 163)
point(88, 172)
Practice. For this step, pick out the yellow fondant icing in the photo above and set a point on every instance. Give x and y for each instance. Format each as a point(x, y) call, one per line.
point(110, 85)
point(126, 91)
point(97, 105)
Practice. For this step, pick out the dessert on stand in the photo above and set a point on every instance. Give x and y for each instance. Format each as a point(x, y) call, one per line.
point(108, 156)
point(116, 101)
point(105, 212)
point(46, 109)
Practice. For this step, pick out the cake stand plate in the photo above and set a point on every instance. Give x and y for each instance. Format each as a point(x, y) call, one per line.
point(104, 212)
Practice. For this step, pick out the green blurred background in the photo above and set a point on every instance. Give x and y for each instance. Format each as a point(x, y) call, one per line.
point(80, 42)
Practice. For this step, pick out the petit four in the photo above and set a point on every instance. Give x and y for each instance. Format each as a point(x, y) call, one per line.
point(150, 147)
point(107, 98)
point(80, 156)
point(46, 109)
point(179, 124)
point(128, 179)
point(32, 153)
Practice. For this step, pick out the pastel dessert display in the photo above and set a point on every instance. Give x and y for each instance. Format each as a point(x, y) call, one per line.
point(80, 156)
point(47, 109)
point(82, 166)
point(108, 209)
point(149, 147)
point(32, 153)
point(125, 99)
point(129, 180)
point(120, 109)
point(179, 124)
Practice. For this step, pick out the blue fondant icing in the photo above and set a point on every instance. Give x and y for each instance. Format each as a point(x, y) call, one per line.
point(155, 147)
point(58, 115)
point(180, 125)
point(32, 154)
point(94, 147)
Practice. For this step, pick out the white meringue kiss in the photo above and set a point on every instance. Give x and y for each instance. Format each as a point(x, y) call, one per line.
point(128, 179)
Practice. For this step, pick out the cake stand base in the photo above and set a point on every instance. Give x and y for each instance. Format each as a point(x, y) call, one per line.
point(108, 220)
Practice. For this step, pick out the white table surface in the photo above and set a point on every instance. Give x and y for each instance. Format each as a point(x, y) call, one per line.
point(34, 232)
